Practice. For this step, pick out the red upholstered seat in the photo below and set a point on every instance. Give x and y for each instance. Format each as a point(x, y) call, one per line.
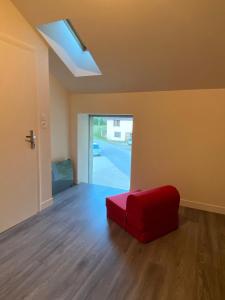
point(146, 215)
point(116, 208)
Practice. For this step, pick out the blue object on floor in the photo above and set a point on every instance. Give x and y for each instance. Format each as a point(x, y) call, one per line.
point(62, 176)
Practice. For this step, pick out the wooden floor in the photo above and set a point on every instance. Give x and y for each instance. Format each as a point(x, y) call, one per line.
point(70, 251)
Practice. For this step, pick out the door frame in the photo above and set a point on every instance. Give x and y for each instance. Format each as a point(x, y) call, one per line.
point(90, 141)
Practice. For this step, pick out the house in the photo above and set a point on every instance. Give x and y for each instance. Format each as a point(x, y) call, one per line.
point(63, 62)
point(119, 129)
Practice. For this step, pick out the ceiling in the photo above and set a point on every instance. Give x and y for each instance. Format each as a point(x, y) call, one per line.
point(141, 45)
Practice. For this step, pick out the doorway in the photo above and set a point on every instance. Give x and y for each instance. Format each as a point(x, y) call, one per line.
point(110, 150)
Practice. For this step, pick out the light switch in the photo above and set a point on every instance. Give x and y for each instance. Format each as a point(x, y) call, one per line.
point(44, 124)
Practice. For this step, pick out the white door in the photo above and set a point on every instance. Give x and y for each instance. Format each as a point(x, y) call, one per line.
point(18, 162)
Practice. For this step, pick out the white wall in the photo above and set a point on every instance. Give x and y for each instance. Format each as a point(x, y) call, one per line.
point(178, 138)
point(82, 162)
point(59, 109)
point(126, 126)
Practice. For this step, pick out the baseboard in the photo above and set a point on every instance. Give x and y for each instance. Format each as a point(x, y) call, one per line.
point(203, 206)
point(46, 203)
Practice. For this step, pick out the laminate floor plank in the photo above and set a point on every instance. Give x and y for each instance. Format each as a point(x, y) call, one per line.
point(71, 252)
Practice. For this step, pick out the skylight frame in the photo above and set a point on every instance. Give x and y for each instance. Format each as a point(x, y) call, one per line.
point(75, 34)
point(69, 47)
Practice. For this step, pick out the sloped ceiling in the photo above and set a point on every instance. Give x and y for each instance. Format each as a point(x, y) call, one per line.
point(141, 45)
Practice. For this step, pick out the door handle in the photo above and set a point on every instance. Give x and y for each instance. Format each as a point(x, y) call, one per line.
point(31, 139)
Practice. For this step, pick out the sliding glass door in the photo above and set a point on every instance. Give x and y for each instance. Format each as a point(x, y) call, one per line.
point(110, 150)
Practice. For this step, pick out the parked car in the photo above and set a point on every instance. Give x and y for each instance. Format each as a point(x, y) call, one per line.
point(96, 149)
point(129, 141)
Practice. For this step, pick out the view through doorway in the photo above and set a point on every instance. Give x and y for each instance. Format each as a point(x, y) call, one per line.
point(110, 151)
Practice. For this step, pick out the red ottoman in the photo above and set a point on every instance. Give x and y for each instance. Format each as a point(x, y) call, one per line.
point(146, 215)
point(116, 208)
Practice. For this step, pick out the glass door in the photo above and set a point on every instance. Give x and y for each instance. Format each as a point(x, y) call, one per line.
point(110, 151)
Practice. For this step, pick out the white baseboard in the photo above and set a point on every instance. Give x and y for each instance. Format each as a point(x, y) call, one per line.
point(203, 206)
point(46, 203)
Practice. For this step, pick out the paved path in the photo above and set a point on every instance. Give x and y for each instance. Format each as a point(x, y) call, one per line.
point(118, 154)
point(112, 168)
point(107, 174)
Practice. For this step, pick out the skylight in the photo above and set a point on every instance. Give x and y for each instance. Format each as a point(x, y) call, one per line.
point(66, 43)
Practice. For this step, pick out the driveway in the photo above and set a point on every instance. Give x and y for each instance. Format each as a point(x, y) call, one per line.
point(112, 168)
point(118, 153)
